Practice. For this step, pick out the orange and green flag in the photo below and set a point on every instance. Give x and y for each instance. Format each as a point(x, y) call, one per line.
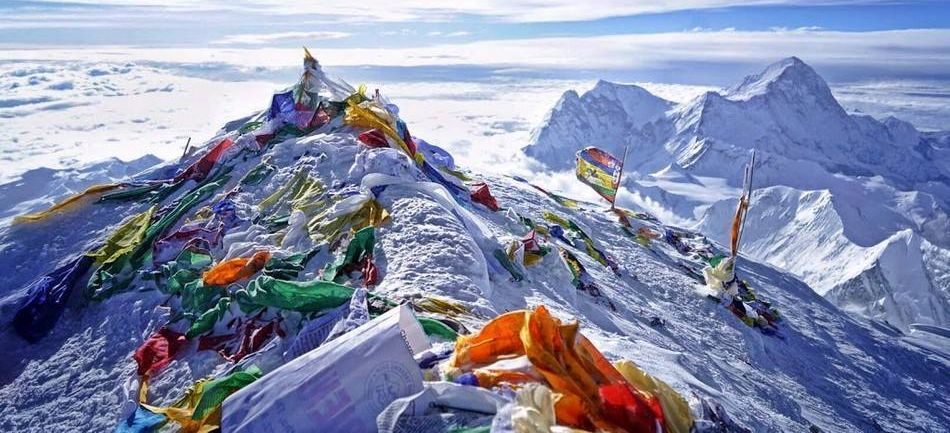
point(599, 170)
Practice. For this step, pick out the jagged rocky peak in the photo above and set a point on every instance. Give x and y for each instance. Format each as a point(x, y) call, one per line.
point(901, 131)
point(805, 141)
point(692, 110)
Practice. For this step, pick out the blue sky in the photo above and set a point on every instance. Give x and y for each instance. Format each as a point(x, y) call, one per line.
point(844, 40)
point(186, 23)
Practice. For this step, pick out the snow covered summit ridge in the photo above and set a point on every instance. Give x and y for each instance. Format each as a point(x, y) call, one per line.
point(830, 372)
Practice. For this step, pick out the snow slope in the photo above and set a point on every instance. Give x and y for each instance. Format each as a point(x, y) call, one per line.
point(856, 207)
point(41, 187)
point(829, 370)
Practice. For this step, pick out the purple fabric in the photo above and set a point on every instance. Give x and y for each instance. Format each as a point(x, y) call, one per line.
point(281, 105)
point(168, 248)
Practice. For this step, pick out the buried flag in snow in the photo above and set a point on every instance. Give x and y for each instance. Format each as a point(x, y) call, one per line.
point(599, 170)
point(46, 299)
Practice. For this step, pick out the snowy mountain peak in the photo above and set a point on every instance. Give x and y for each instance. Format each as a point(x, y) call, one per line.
point(596, 118)
point(641, 105)
point(790, 77)
point(568, 98)
point(696, 108)
point(622, 92)
point(675, 172)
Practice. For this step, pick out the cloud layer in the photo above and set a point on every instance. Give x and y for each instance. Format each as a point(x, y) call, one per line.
point(266, 38)
point(837, 55)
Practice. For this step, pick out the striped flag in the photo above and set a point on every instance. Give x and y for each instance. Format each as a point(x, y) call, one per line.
point(599, 170)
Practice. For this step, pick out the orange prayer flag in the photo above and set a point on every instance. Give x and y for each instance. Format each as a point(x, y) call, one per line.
point(592, 394)
point(234, 270)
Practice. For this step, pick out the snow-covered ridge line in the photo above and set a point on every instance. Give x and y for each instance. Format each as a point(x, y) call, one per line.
point(877, 178)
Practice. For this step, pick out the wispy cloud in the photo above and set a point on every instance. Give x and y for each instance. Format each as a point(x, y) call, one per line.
point(400, 32)
point(427, 10)
point(797, 29)
point(35, 19)
point(449, 34)
point(266, 38)
point(708, 29)
point(921, 50)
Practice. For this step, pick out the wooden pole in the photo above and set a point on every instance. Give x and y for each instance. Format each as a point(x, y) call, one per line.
point(623, 162)
point(185, 153)
point(747, 195)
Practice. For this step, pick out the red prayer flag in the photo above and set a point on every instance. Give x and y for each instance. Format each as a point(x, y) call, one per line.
point(158, 351)
point(481, 194)
point(374, 138)
point(202, 167)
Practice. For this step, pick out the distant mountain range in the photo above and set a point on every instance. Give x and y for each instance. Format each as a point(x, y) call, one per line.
point(855, 206)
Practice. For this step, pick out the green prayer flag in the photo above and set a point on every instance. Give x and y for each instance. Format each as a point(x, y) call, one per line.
point(435, 328)
point(286, 268)
point(217, 390)
point(506, 262)
point(258, 174)
point(205, 322)
point(302, 296)
point(180, 279)
point(360, 247)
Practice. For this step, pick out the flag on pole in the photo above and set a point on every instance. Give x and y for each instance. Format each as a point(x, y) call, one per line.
point(738, 221)
point(599, 170)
